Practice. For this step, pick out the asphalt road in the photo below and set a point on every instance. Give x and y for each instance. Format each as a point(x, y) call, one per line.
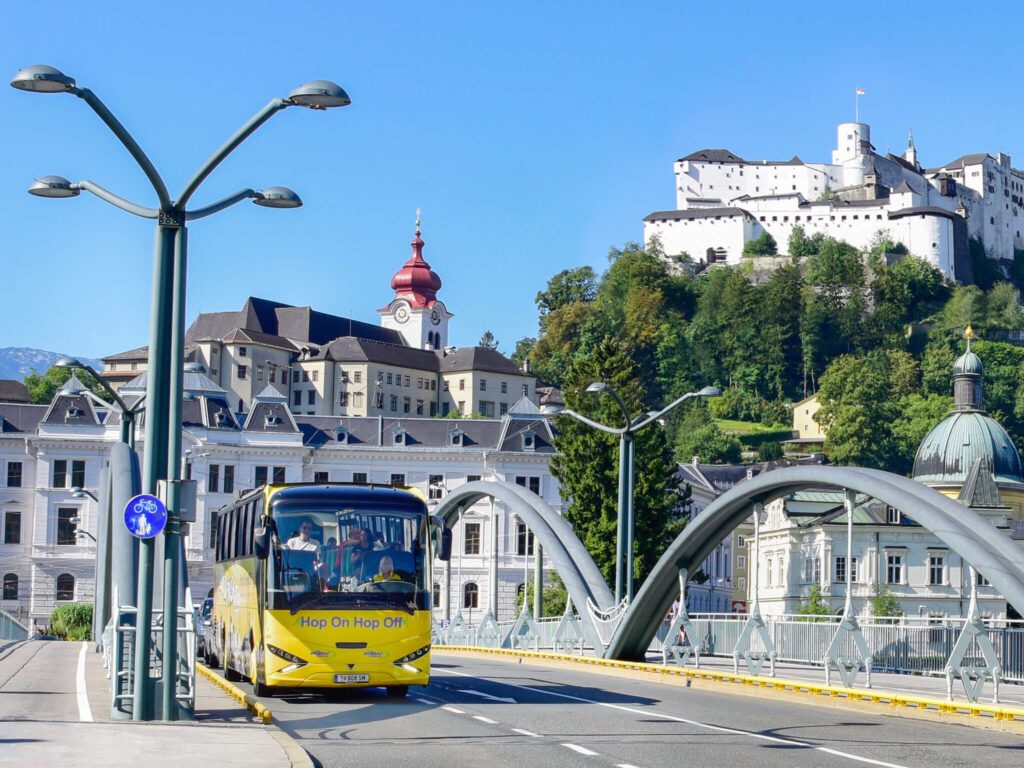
point(494, 714)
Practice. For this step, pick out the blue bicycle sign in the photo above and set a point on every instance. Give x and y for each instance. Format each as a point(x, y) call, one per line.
point(145, 516)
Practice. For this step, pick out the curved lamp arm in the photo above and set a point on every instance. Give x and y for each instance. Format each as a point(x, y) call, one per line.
point(120, 202)
point(591, 422)
point(625, 411)
point(706, 392)
point(130, 144)
point(220, 205)
point(272, 108)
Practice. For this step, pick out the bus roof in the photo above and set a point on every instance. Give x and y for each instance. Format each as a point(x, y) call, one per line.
point(352, 494)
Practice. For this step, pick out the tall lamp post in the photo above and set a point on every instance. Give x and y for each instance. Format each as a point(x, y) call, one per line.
point(627, 470)
point(167, 334)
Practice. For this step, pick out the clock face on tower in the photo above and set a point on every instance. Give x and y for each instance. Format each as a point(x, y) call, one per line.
point(435, 316)
point(402, 314)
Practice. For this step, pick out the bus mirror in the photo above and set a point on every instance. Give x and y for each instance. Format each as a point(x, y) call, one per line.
point(444, 553)
point(261, 541)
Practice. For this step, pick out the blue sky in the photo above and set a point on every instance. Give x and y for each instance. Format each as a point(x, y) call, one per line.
point(534, 136)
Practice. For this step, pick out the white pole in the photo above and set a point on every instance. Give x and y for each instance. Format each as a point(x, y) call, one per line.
point(848, 608)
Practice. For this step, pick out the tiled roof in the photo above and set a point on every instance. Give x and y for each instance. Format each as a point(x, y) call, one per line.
point(19, 418)
point(695, 213)
point(713, 156)
point(12, 391)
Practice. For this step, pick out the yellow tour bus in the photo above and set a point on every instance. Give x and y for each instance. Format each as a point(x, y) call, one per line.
point(325, 586)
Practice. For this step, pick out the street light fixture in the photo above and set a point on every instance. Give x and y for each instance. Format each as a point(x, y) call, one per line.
point(627, 470)
point(167, 328)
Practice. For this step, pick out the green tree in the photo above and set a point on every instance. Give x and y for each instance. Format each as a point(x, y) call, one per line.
point(487, 341)
point(885, 606)
point(587, 463)
point(907, 292)
point(918, 415)
point(698, 435)
point(814, 606)
point(524, 347)
point(570, 286)
point(554, 593)
point(42, 388)
point(770, 451)
point(762, 245)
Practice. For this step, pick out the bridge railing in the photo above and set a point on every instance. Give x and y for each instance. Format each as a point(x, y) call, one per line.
point(907, 645)
point(11, 628)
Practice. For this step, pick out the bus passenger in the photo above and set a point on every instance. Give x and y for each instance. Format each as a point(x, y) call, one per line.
point(300, 540)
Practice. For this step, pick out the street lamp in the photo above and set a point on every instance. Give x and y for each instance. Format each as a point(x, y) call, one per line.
point(627, 470)
point(167, 330)
point(127, 413)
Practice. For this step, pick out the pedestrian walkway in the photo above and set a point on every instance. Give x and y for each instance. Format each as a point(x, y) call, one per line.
point(55, 710)
point(915, 685)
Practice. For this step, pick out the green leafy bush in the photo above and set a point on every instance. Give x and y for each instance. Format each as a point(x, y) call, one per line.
point(72, 621)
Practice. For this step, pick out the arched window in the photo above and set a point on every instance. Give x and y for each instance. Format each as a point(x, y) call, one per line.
point(10, 586)
point(65, 587)
point(470, 595)
point(436, 594)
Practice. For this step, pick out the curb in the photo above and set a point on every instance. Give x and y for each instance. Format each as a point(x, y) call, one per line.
point(250, 702)
point(297, 756)
point(991, 716)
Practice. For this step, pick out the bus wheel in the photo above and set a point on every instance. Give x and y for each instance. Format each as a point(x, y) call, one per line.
point(261, 690)
point(397, 691)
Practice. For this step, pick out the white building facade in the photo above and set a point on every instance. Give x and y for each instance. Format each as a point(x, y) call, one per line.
point(723, 201)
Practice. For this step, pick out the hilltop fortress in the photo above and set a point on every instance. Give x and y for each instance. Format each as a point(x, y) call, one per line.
point(722, 201)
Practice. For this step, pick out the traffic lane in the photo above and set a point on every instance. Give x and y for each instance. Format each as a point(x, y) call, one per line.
point(709, 720)
point(38, 681)
point(364, 727)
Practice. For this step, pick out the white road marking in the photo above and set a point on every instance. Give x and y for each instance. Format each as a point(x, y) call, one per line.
point(483, 719)
point(581, 750)
point(695, 723)
point(84, 711)
point(625, 765)
point(425, 701)
point(453, 709)
point(483, 695)
point(528, 733)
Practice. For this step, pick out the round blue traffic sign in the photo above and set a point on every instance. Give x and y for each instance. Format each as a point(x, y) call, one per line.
point(145, 516)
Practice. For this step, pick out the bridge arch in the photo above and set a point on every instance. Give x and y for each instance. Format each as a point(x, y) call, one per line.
point(990, 551)
point(569, 557)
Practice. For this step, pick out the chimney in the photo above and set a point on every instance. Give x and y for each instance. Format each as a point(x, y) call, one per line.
point(696, 460)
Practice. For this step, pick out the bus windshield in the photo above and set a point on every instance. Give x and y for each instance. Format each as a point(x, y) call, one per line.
point(347, 557)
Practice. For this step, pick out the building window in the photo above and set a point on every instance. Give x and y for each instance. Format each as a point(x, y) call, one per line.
point(60, 473)
point(741, 541)
point(937, 570)
point(65, 526)
point(741, 561)
point(486, 408)
point(462, 384)
point(297, 397)
point(419, 407)
point(259, 373)
point(242, 372)
point(390, 378)
point(213, 478)
point(77, 474)
point(357, 377)
point(524, 539)
point(320, 477)
point(394, 403)
point(279, 476)
point(311, 397)
point(10, 586)
point(65, 587)
point(893, 568)
point(243, 352)
point(769, 571)
point(359, 478)
point(462, 407)
point(435, 486)
point(229, 478)
point(529, 482)
point(343, 399)
point(295, 377)
point(14, 474)
point(893, 516)
point(472, 543)
point(472, 478)
point(980, 580)
point(407, 382)
point(397, 480)
point(406, 404)
point(261, 476)
point(504, 387)
point(526, 390)
point(502, 409)
point(470, 595)
point(316, 375)
point(812, 570)
point(12, 526)
point(483, 385)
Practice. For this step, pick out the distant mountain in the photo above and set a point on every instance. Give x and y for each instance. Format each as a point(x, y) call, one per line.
point(18, 362)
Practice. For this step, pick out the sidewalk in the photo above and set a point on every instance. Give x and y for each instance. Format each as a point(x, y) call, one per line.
point(918, 685)
point(46, 720)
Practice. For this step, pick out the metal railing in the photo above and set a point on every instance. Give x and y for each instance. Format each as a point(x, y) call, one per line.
point(11, 628)
point(907, 645)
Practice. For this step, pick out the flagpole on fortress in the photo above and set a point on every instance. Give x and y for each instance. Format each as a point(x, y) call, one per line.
point(857, 93)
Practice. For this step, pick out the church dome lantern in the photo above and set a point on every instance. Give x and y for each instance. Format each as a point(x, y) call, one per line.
point(416, 282)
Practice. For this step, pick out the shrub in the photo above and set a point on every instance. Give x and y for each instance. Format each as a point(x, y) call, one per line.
point(72, 621)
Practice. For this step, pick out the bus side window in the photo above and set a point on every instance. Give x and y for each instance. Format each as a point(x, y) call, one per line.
point(220, 538)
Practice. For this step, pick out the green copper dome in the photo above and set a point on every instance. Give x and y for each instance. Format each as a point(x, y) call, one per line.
point(949, 451)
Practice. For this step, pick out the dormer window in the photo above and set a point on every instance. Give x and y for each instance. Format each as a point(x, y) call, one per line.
point(529, 441)
point(74, 412)
point(272, 420)
point(455, 438)
point(341, 434)
point(221, 419)
point(398, 437)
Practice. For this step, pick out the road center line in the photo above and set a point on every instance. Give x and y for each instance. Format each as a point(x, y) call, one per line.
point(84, 711)
point(695, 723)
point(581, 750)
point(525, 732)
point(483, 719)
point(453, 709)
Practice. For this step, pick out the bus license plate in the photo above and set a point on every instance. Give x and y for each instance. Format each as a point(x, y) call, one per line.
point(351, 678)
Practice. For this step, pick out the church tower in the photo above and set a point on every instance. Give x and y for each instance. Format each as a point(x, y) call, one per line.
point(911, 154)
point(415, 311)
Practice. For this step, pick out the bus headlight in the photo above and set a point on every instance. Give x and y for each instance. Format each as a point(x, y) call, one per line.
point(295, 661)
point(412, 656)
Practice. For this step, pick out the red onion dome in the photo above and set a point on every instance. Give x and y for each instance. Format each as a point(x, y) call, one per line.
point(416, 282)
